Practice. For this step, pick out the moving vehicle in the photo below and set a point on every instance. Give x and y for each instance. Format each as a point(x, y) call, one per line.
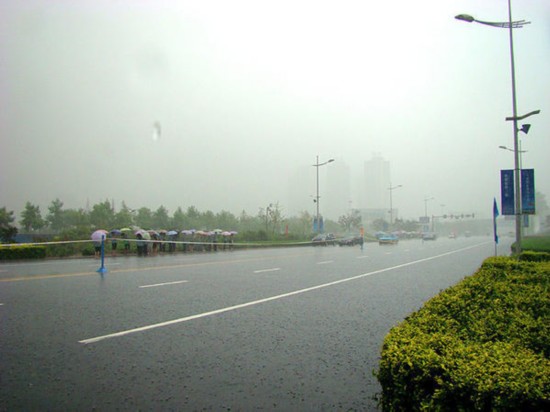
point(350, 240)
point(324, 240)
point(429, 236)
point(388, 239)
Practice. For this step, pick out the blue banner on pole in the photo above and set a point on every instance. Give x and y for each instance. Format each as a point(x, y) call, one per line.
point(507, 192)
point(528, 191)
point(495, 215)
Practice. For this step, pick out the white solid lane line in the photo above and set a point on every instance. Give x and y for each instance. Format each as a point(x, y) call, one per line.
point(267, 270)
point(277, 297)
point(163, 284)
point(325, 262)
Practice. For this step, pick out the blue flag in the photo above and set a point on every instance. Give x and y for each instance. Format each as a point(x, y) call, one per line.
point(495, 215)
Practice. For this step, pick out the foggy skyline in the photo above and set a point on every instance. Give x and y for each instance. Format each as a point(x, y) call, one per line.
point(218, 104)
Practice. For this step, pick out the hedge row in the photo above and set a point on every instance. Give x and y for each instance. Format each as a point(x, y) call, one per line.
point(531, 256)
point(22, 252)
point(483, 344)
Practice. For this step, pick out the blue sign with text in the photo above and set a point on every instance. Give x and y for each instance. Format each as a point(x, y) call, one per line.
point(528, 191)
point(507, 192)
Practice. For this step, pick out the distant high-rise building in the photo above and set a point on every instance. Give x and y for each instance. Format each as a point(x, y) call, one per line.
point(376, 183)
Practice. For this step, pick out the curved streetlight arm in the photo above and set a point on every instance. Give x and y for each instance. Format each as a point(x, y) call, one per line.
point(522, 117)
point(518, 24)
point(324, 163)
point(511, 150)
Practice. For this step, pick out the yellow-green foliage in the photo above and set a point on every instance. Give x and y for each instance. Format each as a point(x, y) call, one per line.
point(531, 256)
point(483, 344)
point(22, 252)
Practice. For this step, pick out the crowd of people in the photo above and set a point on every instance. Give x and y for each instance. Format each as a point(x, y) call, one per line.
point(153, 242)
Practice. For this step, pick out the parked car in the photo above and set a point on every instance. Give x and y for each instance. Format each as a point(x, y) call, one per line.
point(324, 239)
point(350, 240)
point(429, 236)
point(388, 239)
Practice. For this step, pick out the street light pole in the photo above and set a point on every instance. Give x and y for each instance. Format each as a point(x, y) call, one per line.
point(391, 189)
point(510, 25)
point(516, 137)
point(426, 199)
point(317, 165)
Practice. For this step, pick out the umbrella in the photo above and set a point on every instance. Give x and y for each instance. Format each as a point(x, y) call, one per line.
point(226, 233)
point(116, 232)
point(172, 233)
point(144, 234)
point(126, 229)
point(99, 234)
point(187, 232)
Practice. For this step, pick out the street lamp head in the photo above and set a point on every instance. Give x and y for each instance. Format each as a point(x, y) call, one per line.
point(465, 17)
point(525, 128)
point(518, 24)
point(330, 160)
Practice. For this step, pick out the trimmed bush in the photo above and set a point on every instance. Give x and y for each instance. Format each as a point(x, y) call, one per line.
point(483, 344)
point(22, 252)
point(531, 256)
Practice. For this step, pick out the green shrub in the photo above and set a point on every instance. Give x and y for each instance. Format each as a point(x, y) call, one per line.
point(483, 344)
point(536, 243)
point(22, 252)
point(531, 256)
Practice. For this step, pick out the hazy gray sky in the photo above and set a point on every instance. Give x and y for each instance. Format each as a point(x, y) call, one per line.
point(247, 92)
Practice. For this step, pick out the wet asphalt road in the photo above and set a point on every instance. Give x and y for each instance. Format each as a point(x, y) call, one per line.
point(290, 329)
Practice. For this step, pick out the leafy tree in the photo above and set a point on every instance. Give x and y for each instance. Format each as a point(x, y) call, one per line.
point(31, 217)
point(351, 220)
point(161, 220)
point(102, 215)
point(306, 222)
point(7, 231)
point(55, 217)
point(179, 219)
point(247, 223)
point(275, 217)
point(299, 227)
point(144, 218)
point(124, 217)
point(208, 220)
point(193, 217)
point(74, 219)
point(226, 220)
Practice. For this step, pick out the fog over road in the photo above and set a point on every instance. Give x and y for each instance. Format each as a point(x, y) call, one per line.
point(285, 329)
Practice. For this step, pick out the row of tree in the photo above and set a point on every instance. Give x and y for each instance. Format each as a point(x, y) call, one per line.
point(268, 222)
point(59, 219)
